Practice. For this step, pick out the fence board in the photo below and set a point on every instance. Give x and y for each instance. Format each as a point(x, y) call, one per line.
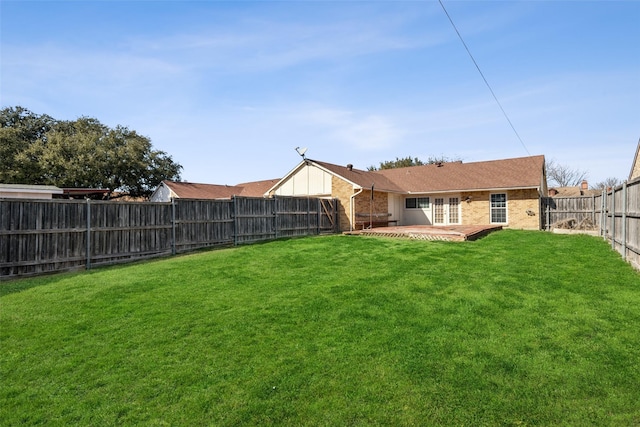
point(616, 214)
point(40, 236)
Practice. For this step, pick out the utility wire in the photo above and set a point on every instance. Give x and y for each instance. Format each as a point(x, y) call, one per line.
point(483, 77)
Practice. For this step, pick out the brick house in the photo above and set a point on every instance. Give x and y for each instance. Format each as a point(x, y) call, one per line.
point(500, 192)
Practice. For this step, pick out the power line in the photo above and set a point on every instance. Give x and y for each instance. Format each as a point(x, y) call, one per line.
point(483, 78)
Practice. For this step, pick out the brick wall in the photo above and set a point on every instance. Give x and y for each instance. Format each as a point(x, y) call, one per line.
point(380, 202)
point(475, 212)
point(342, 191)
point(518, 203)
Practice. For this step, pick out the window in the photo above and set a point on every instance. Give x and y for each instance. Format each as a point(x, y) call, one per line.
point(416, 203)
point(499, 208)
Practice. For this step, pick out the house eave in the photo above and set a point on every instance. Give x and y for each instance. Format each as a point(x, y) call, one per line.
point(470, 190)
point(309, 162)
point(322, 168)
point(37, 189)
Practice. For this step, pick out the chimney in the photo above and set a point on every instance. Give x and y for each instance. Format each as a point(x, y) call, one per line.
point(584, 185)
point(350, 167)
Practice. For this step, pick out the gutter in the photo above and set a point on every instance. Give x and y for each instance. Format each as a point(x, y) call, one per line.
point(352, 208)
point(468, 190)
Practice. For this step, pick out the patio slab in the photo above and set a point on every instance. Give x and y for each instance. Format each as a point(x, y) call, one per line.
point(454, 233)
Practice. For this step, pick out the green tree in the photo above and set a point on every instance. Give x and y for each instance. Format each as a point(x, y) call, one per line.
point(410, 161)
point(86, 153)
point(19, 128)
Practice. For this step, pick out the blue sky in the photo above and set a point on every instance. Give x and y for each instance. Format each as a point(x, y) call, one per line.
point(229, 89)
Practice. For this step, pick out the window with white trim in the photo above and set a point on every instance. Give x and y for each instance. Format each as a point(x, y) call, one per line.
point(416, 203)
point(499, 208)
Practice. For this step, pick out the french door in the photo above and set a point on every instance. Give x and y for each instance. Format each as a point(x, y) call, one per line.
point(446, 210)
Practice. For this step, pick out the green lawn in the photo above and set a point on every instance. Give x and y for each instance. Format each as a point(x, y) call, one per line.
point(519, 328)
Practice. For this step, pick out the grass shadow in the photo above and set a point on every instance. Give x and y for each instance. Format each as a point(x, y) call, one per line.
point(20, 284)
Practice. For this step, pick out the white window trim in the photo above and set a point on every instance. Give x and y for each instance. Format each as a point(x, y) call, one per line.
point(506, 209)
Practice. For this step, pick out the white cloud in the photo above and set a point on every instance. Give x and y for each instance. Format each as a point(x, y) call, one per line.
point(259, 44)
point(360, 130)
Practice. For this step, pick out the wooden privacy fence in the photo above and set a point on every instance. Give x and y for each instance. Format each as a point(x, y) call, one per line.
point(620, 223)
point(40, 236)
point(614, 213)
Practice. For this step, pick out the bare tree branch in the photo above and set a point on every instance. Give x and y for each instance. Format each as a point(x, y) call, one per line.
point(564, 176)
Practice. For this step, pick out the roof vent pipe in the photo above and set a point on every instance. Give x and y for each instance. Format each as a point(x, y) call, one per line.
point(350, 167)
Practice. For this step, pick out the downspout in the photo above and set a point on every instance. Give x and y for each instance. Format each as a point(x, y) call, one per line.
point(352, 208)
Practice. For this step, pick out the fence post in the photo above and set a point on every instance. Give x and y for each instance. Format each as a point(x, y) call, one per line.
point(308, 216)
point(234, 213)
point(319, 220)
point(624, 220)
point(88, 249)
point(275, 216)
point(603, 214)
point(548, 213)
point(613, 218)
point(173, 226)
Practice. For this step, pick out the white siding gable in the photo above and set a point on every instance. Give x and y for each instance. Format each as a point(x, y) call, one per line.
point(308, 180)
point(162, 194)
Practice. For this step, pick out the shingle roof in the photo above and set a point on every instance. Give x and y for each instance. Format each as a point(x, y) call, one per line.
point(257, 188)
point(574, 192)
point(192, 190)
point(362, 178)
point(521, 172)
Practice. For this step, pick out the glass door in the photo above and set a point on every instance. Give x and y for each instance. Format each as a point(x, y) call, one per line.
point(446, 210)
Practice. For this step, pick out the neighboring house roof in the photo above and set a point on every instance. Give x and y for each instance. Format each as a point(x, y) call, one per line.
point(522, 172)
point(256, 188)
point(571, 192)
point(81, 193)
point(28, 191)
point(32, 188)
point(192, 190)
point(635, 166)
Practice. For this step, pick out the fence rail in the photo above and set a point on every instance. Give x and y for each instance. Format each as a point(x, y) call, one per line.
point(41, 236)
point(614, 213)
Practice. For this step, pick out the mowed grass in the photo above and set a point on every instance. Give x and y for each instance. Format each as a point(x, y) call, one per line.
point(519, 328)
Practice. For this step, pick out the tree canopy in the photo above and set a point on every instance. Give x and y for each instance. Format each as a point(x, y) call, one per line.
point(37, 149)
point(410, 161)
